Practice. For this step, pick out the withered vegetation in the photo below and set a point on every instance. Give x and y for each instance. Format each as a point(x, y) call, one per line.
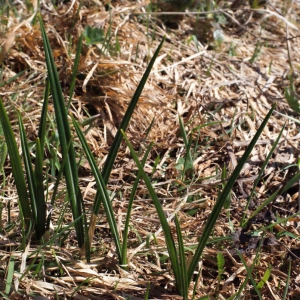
point(222, 91)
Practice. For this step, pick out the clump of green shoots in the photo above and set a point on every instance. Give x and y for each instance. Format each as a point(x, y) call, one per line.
point(32, 201)
point(33, 204)
point(183, 274)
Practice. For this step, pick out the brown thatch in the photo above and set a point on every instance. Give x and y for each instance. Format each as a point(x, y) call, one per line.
point(232, 83)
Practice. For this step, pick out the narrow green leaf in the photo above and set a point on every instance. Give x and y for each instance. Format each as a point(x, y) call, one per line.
point(206, 125)
point(58, 177)
point(222, 198)
point(291, 183)
point(244, 223)
point(182, 285)
point(57, 181)
point(75, 68)
point(164, 223)
point(249, 274)
point(279, 221)
point(28, 167)
point(4, 297)
point(40, 198)
point(35, 181)
point(130, 203)
point(10, 274)
point(125, 121)
point(113, 151)
point(43, 122)
point(264, 204)
point(16, 165)
point(291, 96)
point(287, 284)
point(90, 120)
point(220, 263)
point(265, 278)
point(42, 247)
point(154, 168)
point(65, 137)
point(53, 239)
point(3, 148)
point(3, 83)
point(227, 202)
point(93, 35)
point(188, 159)
point(249, 271)
point(102, 191)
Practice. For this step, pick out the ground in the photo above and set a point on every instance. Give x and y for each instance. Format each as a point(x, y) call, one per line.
point(220, 70)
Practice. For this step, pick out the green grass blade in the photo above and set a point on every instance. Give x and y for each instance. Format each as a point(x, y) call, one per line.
point(183, 284)
point(70, 170)
point(287, 284)
point(28, 168)
point(35, 182)
point(3, 149)
point(130, 203)
point(74, 72)
point(227, 202)
point(55, 189)
point(31, 181)
point(251, 268)
point(40, 197)
point(164, 223)
point(102, 192)
point(188, 165)
point(125, 121)
point(16, 165)
point(10, 80)
point(249, 274)
point(290, 183)
point(54, 238)
point(222, 198)
point(221, 264)
point(58, 177)
point(43, 122)
point(154, 168)
point(260, 207)
point(10, 274)
point(4, 297)
point(291, 96)
point(123, 126)
point(265, 278)
point(244, 224)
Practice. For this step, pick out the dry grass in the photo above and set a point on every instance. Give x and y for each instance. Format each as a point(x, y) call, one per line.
point(201, 83)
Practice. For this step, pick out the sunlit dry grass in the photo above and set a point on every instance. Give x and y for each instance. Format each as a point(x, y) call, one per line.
point(231, 86)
